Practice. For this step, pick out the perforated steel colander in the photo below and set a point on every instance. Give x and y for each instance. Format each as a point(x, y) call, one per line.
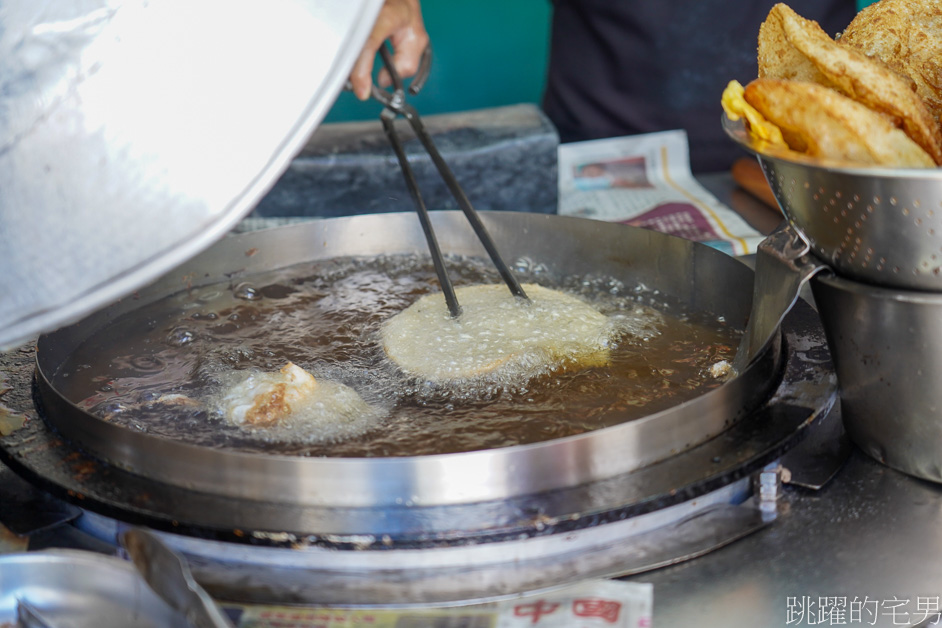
point(878, 225)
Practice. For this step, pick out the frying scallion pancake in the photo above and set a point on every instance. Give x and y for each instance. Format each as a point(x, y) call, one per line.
point(497, 335)
point(291, 400)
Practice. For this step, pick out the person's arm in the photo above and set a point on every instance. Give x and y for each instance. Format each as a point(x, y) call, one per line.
point(399, 21)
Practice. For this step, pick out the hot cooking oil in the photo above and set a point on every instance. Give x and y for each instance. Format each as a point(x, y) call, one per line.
point(157, 368)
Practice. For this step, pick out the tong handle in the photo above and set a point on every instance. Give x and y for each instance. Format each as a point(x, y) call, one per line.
point(395, 104)
point(464, 203)
point(398, 85)
point(451, 300)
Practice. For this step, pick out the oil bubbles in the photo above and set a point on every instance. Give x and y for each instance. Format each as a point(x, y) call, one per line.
point(246, 291)
point(180, 336)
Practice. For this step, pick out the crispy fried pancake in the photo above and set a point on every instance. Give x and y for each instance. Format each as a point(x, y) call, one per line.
point(293, 401)
point(907, 36)
point(497, 336)
point(789, 44)
point(778, 57)
point(824, 124)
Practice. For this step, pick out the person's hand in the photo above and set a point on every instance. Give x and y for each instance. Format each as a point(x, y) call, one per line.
point(399, 21)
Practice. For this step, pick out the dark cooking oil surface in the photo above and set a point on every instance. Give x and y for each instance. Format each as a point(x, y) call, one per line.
point(325, 317)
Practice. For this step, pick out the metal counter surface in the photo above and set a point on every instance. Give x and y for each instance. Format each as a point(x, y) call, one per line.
point(870, 540)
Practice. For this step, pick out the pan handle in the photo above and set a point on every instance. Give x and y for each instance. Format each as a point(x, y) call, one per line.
point(784, 264)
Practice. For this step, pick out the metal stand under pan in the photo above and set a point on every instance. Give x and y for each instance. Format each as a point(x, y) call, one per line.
point(447, 552)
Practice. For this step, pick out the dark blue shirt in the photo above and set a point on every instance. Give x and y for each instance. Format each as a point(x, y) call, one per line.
point(621, 67)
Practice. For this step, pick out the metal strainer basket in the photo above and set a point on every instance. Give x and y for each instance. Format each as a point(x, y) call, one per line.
point(877, 225)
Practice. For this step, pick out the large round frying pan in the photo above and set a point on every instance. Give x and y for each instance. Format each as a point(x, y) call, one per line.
point(699, 278)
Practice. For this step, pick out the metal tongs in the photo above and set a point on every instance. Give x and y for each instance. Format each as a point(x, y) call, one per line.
point(394, 105)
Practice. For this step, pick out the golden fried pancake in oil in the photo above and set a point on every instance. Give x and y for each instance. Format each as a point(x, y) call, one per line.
point(294, 400)
point(497, 335)
point(786, 37)
point(824, 124)
point(906, 35)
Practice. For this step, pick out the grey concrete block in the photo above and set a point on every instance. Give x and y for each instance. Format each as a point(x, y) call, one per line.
point(504, 158)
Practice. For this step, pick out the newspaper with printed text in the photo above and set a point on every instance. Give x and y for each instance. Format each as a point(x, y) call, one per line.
point(587, 604)
point(645, 181)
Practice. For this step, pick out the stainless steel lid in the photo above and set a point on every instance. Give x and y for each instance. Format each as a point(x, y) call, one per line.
point(134, 134)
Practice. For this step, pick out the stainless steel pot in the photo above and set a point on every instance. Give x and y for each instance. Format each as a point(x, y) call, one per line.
point(887, 349)
point(880, 230)
point(134, 134)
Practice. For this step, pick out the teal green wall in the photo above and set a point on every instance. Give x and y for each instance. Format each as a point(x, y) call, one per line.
point(486, 53)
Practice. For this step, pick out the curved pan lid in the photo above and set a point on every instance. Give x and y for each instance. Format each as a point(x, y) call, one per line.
point(134, 134)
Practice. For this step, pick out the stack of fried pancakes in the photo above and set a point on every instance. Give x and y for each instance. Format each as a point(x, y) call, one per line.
point(871, 97)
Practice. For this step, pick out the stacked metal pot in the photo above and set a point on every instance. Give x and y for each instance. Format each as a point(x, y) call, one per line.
point(876, 233)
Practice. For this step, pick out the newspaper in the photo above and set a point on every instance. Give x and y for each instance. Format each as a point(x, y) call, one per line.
point(588, 604)
point(645, 181)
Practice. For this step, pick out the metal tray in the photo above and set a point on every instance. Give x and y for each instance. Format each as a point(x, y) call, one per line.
point(78, 588)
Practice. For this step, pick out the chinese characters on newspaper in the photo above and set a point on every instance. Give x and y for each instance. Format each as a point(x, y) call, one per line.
point(589, 604)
